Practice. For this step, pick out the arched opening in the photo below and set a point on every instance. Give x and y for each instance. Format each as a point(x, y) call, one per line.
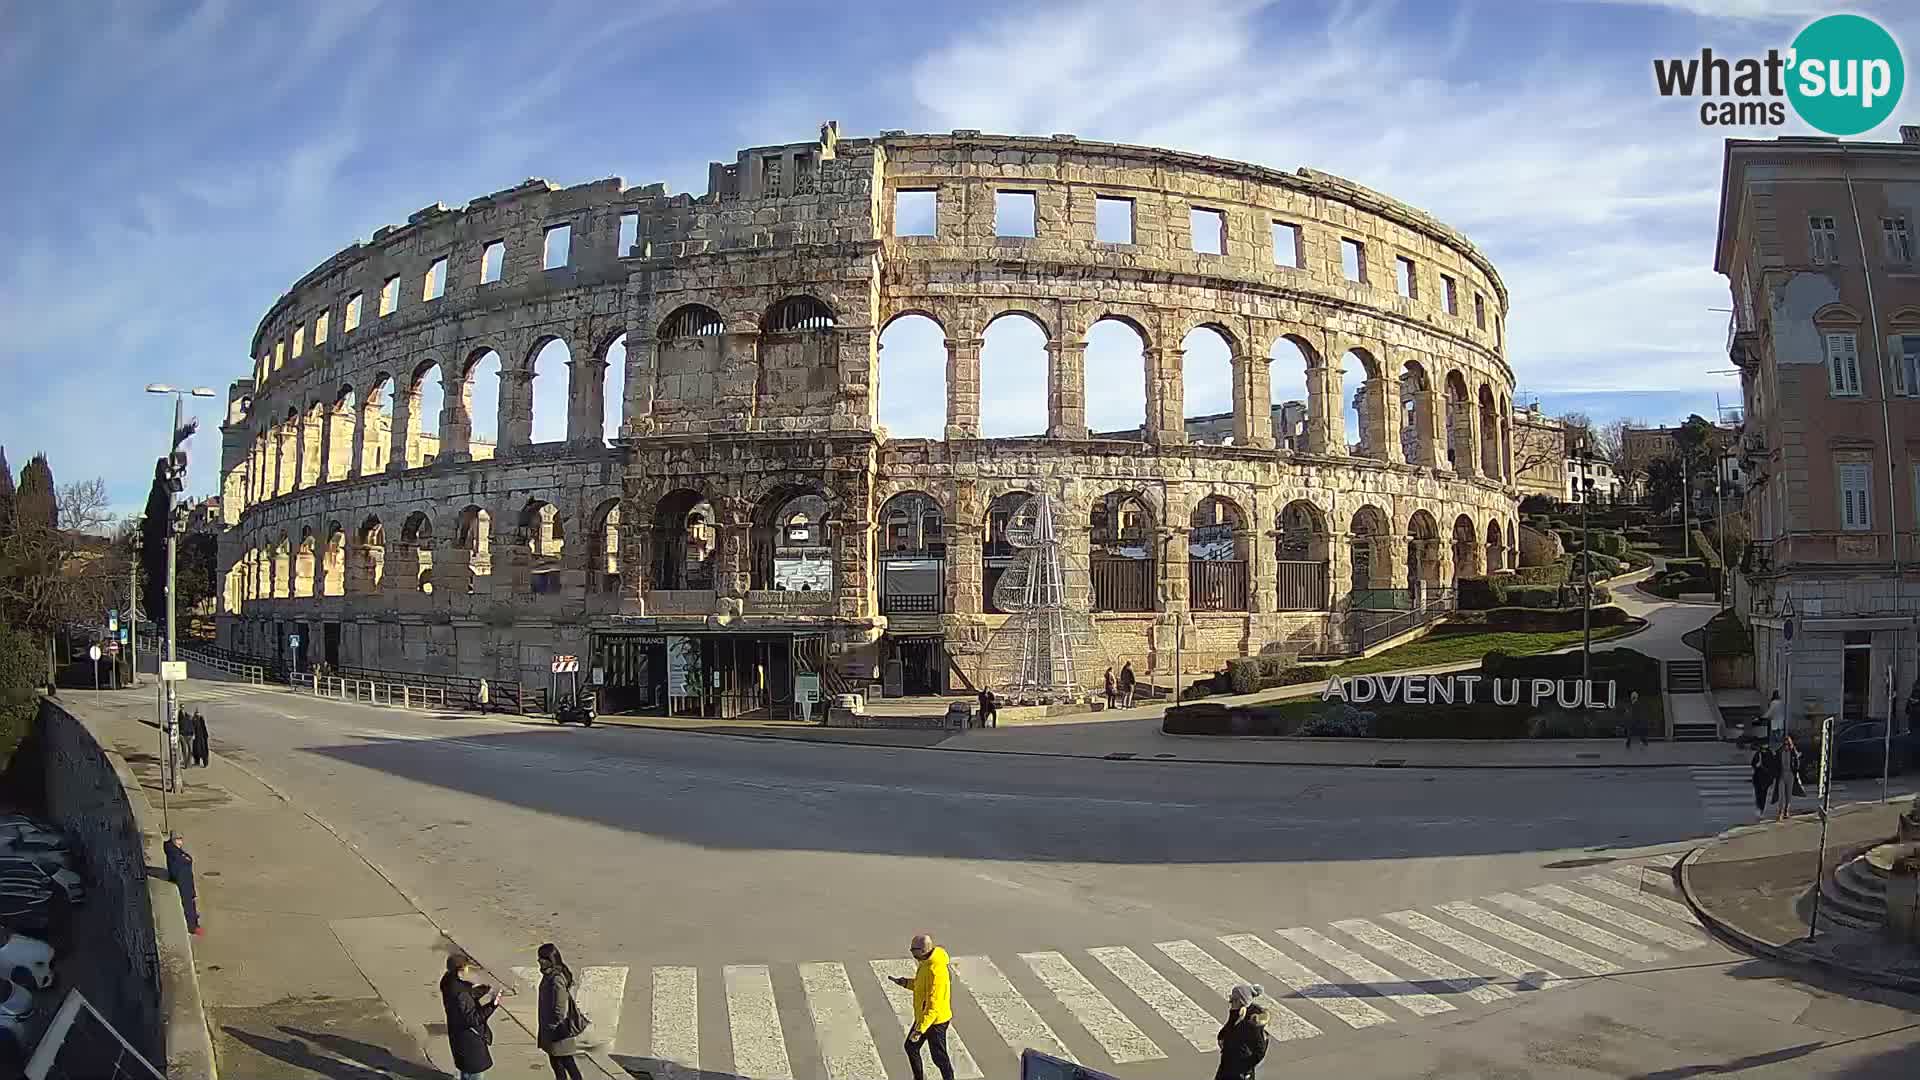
point(416, 537)
point(1217, 556)
point(1303, 551)
point(999, 553)
point(684, 534)
point(1288, 362)
point(1122, 552)
point(544, 540)
point(305, 562)
point(1466, 550)
point(913, 378)
point(480, 389)
point(1366, 416)
point(613, 391)
point(341, 420)
point(333, 564)
point(1489, 435)
point(476, 539)
point(1460, 449)
point(1423, 553)
point(372, 556)
point(427, 401)
point(1206, 385)
point(376, 426)
point(1506, 444)
point(547, 387)
point(309, 439)
point(1013, 377)
point(913, 555)
point(797, 356)
point(1496, 548)
point(1116, 379)
point(603, 549)
point(792, 544)
point(797, 314)
point(692, 321)
point(1417, 415)
point(1372, 586)
point(282, 569)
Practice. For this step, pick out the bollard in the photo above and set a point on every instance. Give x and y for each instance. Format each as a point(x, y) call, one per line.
point(406, 697)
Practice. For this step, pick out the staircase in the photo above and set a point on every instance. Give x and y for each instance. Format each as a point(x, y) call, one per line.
point(1855, 895)
point(810, 658)
point(1686, 676)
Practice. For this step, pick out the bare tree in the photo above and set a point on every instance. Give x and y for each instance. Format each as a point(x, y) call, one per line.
point(1579, 430)
point(68, 573)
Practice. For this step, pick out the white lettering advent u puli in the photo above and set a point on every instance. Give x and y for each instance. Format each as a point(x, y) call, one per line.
point(1461, 689)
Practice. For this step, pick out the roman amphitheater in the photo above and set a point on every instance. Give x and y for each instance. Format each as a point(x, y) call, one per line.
point(724, 490)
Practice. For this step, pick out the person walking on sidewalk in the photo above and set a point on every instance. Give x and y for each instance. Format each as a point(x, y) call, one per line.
point(1762, 766)
point(180, 872)
point(561, 1023)
point(1126, 685)
point(197, 738)
point(1109, 688)
point(1788, 774)
point(469, 1011)
point(1243, 1045)
point(1636, 721)
point(932, 986)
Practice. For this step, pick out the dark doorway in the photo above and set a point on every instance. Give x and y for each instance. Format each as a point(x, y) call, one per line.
point(332, 645)
point(636, 672)
point(1856, 675)
point(922, 666)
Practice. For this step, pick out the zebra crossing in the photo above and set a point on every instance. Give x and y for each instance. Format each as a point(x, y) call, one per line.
point(204, 692)
point(1120, 1005)
point(1726, 794)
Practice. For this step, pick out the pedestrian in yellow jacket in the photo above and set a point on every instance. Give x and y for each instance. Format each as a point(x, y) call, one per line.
point(932, 986)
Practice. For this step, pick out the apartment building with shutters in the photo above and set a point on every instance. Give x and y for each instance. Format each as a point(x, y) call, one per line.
point(1816, 241)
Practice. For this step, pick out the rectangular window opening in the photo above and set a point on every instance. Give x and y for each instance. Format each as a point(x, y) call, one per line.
point(1113, 219)
point(1450, 294)
point(493, 260)
point(1843, 364)
point(629, 233)
point(1906, 364)
point(1209, 230)
point(352, 317)
point(914, 212)
point(1286, 245)
point(299, 341)
point(436, 284)
point(558, 248)
point(279, 355)
point(320, 322)
point(1479, 311)
point(1823, 240)
point(1856, 496)
point(1899, 242)
point(1353, 259)
point(1013, 213)
point(1405, 279)
point(389, 296)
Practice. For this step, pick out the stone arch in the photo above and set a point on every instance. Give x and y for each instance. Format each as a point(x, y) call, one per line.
point(997, 554)
point(1294, 372)
point(1015, 375)
point(791, 540)
point(1368, 420)
point(913, 553)
point(1460, 448)
point(475, 537)
point(1303, 549)
point(691, 320)
point(1217, 555)
point(1466, 550)
point(372, 549)
point(613, 388)
point(685, 537)
point(1424, 562)
point(799, 313)
point(308, 444)
point(603, 548)
point(1489, 434)
point(483, 375)
point(912, 524)
point(914, 357)
point(1123, 544)
point(548, 391)
point(333, 563)
point(1207, 383)
point(1115, 377)
point(1419, 419)
point(305, 563)
point(416, 538)
point(342, 417)
point(1372, 562)
point(282, 568)
point(376, 425)
point(541, 538)
point(425, 396)
point(1496, 547)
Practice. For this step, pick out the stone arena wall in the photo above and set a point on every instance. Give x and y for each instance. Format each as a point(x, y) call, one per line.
point(749, 320)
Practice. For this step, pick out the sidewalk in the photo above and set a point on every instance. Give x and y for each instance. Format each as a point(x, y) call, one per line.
point(313, 964)
point(1752, 884)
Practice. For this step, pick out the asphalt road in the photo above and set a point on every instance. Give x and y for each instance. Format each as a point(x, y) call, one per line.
point(736, 865)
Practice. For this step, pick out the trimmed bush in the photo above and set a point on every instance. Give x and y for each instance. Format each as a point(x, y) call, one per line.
point(1475, 594)
point(1572, 725)
point(1537, 504)
point(1243, 675)
point(1610, 543)
point(1532, 596)
point(1271, 665)
point(1340, 721)
point(1534, 620)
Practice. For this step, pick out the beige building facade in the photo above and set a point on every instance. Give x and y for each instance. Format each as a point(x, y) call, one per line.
point(1815, 240)
point(746, 520)
point(1539, 454)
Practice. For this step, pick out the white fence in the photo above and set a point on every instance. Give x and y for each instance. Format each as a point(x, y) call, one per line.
point(371, 691)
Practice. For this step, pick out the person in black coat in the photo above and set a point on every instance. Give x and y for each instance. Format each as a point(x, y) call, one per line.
point(180, 872)
point(199, 739)
point(560, 1021)
point(1763, 765)
point(469, 1009)
point(1243, 1045)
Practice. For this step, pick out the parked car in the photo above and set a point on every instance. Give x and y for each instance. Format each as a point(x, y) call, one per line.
point(26, 904)
point(66, 884)
point(1860, 748)
point(26, 961)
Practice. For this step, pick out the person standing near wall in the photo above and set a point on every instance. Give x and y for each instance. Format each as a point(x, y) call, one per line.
point(180, 872)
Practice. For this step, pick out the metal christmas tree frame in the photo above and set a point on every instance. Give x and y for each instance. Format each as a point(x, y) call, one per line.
point(1047, 652)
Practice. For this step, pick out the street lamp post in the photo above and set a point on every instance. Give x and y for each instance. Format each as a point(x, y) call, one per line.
point(1586, 578)
point(169, 700)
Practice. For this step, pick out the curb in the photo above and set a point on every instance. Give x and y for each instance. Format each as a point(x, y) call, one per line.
point(1786, 954)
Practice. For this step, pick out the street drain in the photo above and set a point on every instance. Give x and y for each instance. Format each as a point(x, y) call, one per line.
point(1389, 762)
point(1120, 757)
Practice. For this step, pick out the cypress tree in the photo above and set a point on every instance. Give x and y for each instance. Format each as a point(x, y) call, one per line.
point(34, 506)
point(6, 494)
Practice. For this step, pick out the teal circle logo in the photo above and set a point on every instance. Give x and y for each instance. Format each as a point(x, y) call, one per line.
point(1847, 74)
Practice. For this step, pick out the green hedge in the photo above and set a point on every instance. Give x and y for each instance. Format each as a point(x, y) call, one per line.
point(1477, 594)
point(1610, 543)
point(23, 668)
point(1533, 596)
point(1542, 620)
point(1705, 549)
point(1251, 674)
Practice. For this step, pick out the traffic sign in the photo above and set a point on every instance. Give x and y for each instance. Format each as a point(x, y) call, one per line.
point(293, 641)
point(564, 664)
point(93, 653)
point(113, 620)
point(113, 648)
point(173, 671)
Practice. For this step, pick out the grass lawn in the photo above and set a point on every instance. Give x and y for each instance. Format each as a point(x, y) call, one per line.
point(1454, 648)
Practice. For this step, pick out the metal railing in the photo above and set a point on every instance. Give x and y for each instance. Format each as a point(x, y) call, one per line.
point(226, 661)
point(1217, 584)
point(370, 691)
point(1380, 600)
point(904, 603)
point(1121, 584)
point(1432, 605)
point(1301, 585)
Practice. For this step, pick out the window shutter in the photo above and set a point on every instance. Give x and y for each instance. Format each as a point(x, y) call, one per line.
point(1854, 505)
point(1836, 380)
point(1899, 365)
point(1852, 358)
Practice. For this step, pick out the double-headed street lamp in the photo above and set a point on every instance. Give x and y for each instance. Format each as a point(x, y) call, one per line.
point(176, 481)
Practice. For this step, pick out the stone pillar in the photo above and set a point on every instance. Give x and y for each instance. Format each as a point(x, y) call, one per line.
point(1171, 568)
point(642, 365)
point(1394, 562)
point(516, 407)
point(365, 434)
point(1443, 553)
point(963, 387)
point(1326, 419)
point(1430, 447)
point(404, 435)
point(1339, 570)
point(965, 571)
point(852, 560)
point(1066, 390)
point(456, 418)
point(452, 568)
point(739, 376)
point(303, 445)
point(1260, 577)
point(1255, 401)
point(285, 462)
point(1464, 437)
point(733, 562)
point(1386, 401)
point(1489, 432)
point(586, 399)
point(1166, 397)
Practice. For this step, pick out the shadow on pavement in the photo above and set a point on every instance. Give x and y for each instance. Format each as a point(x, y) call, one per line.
point(748, 795)
point(654, 1067)
point(357, 1060)
point(1734, 1066)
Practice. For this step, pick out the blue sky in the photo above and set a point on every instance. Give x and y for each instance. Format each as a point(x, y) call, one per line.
point(175, 166)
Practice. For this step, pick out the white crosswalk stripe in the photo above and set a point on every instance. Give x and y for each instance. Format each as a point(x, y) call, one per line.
point(846, 1046)
point(1644, 897)
point(759, 1046)
point(1377, 979)
point(1725, 792)
point(1666, 860)
point(1193, 1023)
point(601, 993)
point(1571, 926)
point(1016, 1021)
point(901, 998)
point(1525, 974)
point(1118, 1036)
point(1625, 921)
point(1445, 972)
point(1483, 919)
point(1283, 1025)
point(1301, 980)
point(676, 1016)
